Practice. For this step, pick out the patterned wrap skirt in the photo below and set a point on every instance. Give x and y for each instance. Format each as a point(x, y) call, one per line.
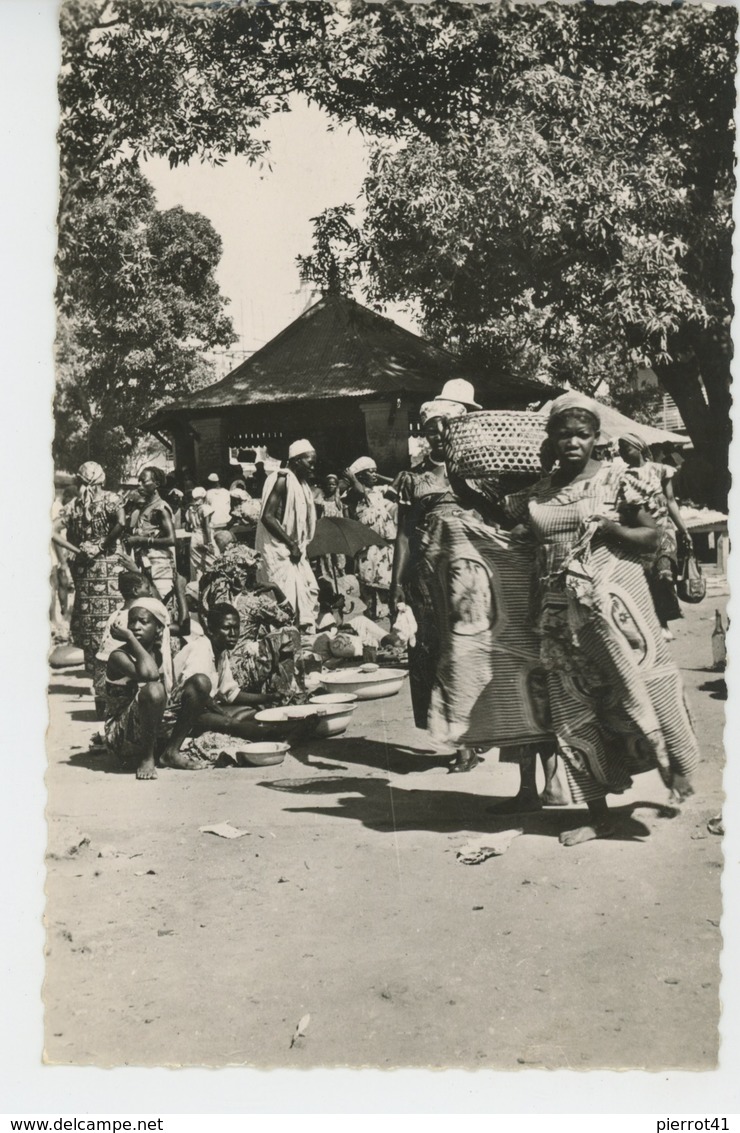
point(96, 597)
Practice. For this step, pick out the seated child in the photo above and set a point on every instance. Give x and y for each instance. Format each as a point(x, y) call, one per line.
point(151, 710)
point(205, 694)
point(132, 585)
point(138, 679)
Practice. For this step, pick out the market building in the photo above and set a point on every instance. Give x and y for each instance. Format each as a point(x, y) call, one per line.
point(350, 379)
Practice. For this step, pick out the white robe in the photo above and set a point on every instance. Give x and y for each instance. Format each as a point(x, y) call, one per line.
point(296, 580)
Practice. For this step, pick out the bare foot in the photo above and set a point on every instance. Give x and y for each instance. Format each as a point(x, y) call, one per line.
point(586, 834)
point(146, 769)
point(464, 762)
point(553, 798)
point(681, 789)
point(183, 761)
point(520, 804)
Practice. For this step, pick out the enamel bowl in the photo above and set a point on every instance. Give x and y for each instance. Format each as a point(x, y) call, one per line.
point(365, 685)
point(261, 754)
point(331, 699)
point(286, 712)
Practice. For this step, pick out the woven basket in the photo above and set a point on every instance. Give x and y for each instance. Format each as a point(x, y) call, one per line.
point(495, 441)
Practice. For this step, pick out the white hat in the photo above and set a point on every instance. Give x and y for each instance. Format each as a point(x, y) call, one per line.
point(215, 477)
point(300, 448)
point(238, 494)
point(363, 464)
point(457, 389)
point(198, 494)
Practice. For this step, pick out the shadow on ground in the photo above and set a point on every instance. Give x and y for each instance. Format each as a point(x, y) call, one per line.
point(385, 807)
point(716, 689)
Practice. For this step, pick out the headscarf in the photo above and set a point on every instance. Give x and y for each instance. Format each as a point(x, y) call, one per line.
point(91, 476)
point(574, 400)
point(300, 448)
point(363, 464)
point(637, 442)
point(156, 608)
point(159, 611)
point(440, 408)
point(198, 494)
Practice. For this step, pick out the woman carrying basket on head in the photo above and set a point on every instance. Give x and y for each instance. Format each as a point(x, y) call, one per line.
point(466, 660)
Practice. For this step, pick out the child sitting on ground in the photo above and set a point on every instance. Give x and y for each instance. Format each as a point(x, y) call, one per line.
point(132, 585)
point(152, 710)
point(138, 680)
point(206, 696)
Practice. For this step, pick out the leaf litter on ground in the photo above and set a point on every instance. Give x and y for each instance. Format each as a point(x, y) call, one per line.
point(300, 1030)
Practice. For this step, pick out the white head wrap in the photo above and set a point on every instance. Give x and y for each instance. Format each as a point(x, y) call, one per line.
point(90, 476)
point(198, 494)
point(300, 448)
point(156, 608)
point(363, 464)
point(159, 611)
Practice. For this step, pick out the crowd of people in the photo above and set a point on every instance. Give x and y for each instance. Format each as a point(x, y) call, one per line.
point(536, 620)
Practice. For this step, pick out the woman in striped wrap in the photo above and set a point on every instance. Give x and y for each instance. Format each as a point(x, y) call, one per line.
point(615, 694)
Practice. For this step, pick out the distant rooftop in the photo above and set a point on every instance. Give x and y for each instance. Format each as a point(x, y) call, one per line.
point(340, 349)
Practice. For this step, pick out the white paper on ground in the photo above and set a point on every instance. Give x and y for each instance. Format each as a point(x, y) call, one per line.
point(472, 853)
point(224, 830)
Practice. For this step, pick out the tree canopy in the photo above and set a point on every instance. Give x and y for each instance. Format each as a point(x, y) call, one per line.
point(139, 307)
point(557, 196)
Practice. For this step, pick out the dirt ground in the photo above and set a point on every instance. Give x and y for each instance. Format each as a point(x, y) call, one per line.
point(345, 903)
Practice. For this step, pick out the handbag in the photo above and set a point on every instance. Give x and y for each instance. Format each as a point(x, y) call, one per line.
point(691, 585)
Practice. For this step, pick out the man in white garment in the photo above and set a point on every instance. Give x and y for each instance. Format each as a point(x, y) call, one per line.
point(219, 499)
point(286, 526)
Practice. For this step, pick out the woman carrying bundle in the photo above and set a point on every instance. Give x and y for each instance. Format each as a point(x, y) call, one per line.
point(614, 693)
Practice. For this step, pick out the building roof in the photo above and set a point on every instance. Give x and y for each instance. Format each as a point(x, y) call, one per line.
point(340, 349)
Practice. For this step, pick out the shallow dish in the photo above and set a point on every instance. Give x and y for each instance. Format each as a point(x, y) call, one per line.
point(328, 699)
point(261, 754)
point(286, 713)
point(365, 686)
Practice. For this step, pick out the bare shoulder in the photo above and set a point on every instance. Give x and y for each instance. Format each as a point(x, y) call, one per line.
point(120, 665)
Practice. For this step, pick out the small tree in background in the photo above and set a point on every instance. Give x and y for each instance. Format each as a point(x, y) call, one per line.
point(139, 306)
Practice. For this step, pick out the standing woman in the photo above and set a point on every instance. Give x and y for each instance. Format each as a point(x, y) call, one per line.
point(662, 567)
point(198, 516)
point(152, 535)
point(615, 694)
point(329, 503)
point(369, 505)
point(423, 495)
point(93, 522)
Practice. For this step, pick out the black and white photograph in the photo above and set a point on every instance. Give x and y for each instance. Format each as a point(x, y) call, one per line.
point(389, 535)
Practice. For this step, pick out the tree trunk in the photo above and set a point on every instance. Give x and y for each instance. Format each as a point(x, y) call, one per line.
point(708, 423)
